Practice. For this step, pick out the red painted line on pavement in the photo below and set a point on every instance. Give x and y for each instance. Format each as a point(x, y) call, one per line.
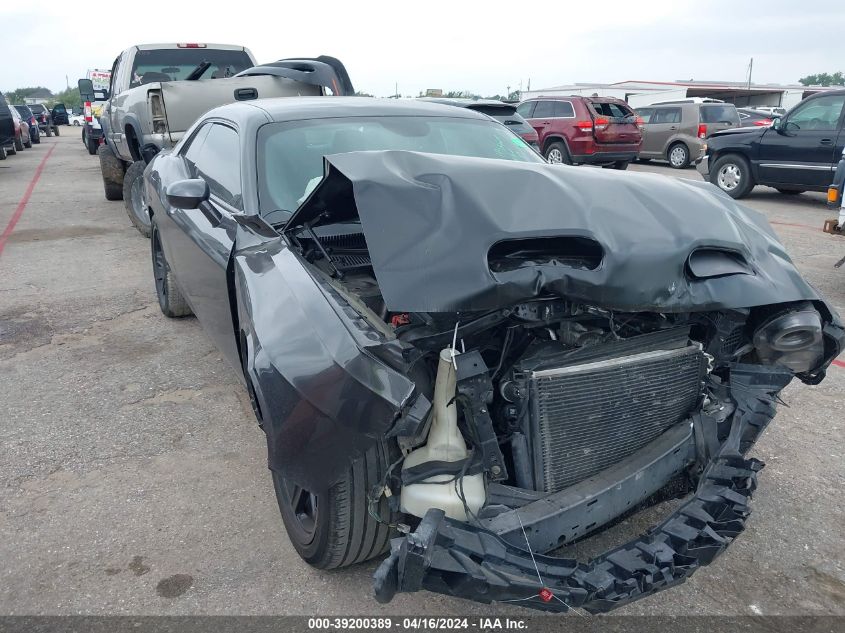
point(802, 226)
point(7, 232)
point(839, 363)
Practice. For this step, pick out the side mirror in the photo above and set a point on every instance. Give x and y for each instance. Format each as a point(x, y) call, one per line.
point(776, 123)
point(86, 89)
point(187, 194)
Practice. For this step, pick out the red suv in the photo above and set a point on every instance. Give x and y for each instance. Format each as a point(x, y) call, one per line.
point(593, 130)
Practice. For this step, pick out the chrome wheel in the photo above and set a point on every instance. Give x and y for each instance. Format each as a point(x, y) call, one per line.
point(678, 156)
point(555, 156)
point(139, 204)
point(729, 177)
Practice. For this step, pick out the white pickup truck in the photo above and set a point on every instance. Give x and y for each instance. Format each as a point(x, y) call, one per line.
point(157, 91)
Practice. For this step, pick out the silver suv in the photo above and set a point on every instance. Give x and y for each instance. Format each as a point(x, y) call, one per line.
point(676, 131)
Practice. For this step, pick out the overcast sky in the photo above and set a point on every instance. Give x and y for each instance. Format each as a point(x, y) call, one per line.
point(482, 47)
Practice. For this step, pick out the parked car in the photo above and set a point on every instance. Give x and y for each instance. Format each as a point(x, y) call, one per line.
point(481, 358)
point(45, 119)
point(584, 130)
point(797, 153)
point(772, 111)
point(29, 117)
point(504, 113)
point(59, 114)
point(749, 117)
point(157, 91)
point(22, 139)
point(7, 128)
point(677, 131)
point(76, 120)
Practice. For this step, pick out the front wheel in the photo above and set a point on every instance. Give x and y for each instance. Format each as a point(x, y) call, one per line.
point(678, 156)
point(133, 197)
point(337, 528)
point(732, 174)
point(170, 299)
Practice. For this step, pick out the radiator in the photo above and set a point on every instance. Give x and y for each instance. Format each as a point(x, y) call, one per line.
point(586, 417)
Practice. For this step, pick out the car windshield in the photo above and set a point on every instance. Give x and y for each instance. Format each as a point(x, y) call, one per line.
point(175, 64)
point(290, 155)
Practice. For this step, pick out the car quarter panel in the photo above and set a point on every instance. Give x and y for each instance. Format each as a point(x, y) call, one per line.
point(324, 398)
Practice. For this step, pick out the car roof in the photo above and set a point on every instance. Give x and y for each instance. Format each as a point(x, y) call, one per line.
point(464, 102)
point(299, 108)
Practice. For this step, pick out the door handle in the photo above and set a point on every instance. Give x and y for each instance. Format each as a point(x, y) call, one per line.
point(674, 127)
point(826, 141)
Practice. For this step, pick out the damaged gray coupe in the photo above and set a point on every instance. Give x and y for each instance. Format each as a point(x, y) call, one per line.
point(464, 358)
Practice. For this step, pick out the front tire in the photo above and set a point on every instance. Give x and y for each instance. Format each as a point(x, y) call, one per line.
point(336, 529)
point(111, 168)
point(133, 197)
point(732, 174)
point(678, 156)
point(170, 299)
point(557, 154)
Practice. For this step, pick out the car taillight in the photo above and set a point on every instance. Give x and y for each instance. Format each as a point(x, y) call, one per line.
point(585, 126)
point(157, 112)
point(763, 122)
point(602, 123)
point(640, 123)
point(702, 130)
point(191, 45)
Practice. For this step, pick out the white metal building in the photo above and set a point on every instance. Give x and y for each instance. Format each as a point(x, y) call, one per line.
point(643, 93)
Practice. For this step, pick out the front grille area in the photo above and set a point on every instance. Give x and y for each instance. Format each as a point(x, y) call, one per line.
point(587, 417)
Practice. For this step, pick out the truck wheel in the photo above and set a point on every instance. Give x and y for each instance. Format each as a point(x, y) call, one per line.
point(112, 169)
point(2, 153)
point(678, 156)
point(48, 131)
point(170, 298)
point(336, 529)
point(56, 130)
point(732, 174)
point(133, 197)
point(28, 143)
point(19, 143)
point(91, 144)
point(12, 149)
point(35, 136)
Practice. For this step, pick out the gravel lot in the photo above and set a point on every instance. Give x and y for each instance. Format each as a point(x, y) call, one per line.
point(133, 476)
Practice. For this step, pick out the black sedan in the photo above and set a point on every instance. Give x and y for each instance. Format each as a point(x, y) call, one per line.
point(453, 344)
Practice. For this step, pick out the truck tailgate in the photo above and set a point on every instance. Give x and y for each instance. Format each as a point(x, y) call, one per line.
point(186, 101)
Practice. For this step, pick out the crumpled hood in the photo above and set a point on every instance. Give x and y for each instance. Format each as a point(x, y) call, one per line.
point(430, 222)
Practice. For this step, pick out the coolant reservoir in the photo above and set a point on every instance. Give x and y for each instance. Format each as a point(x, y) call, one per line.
point(445, 444)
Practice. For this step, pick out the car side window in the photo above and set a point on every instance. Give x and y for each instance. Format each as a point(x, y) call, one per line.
point(216, 160)
point(194, 146)
point(645, 114)
point(525, 109)
point(667, 115)
point(544, 110)
point(563, 109)
point(821, 114)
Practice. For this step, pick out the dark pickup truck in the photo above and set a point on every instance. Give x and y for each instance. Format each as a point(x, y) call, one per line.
point(797, 153)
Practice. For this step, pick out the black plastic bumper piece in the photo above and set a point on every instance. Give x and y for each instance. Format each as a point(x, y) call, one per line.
point(455, 558)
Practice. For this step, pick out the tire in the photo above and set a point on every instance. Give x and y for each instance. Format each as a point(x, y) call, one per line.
point(111, 168)
point(37, 138)
point(133, 197)
point(2, 153)
point(91, 144)
point(76, 124)
point(643, 160)
point(336, 529)
point(732, 174)
point(170, 298)
point(557, 154)
point(621, 165)
point(56, 130)
point(19, 143)
point(678, 156)
point(48, 131)
point(28, 143)
point(791, 192)
point(12, 149)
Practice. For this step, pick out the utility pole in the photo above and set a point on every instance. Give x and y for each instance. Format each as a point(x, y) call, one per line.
point(750, 68)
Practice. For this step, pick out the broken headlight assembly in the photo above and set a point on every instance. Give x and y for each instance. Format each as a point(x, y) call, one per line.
point(791, 338)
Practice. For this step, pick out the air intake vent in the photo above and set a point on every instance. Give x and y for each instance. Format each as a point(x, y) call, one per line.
point(588, 416)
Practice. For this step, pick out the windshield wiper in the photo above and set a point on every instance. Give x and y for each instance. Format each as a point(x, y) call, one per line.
point(198, 72)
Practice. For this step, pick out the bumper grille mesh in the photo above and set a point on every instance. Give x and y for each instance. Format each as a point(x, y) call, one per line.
point(588, 417)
